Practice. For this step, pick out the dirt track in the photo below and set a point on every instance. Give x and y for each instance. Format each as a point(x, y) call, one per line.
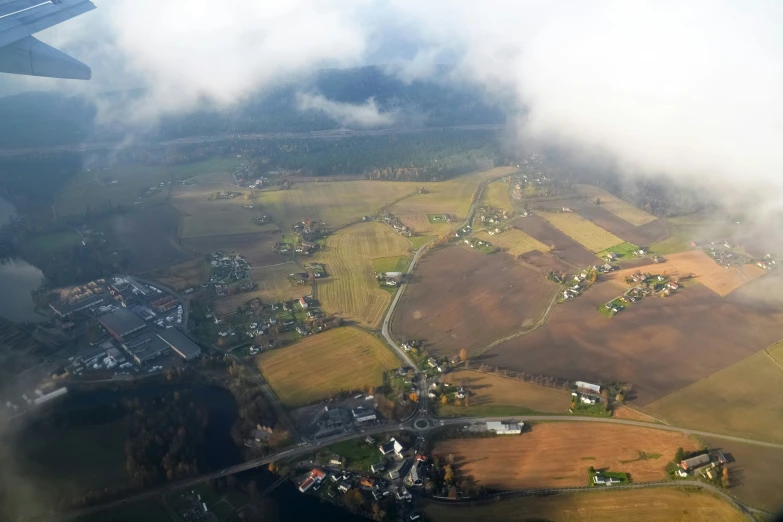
point(460, 298)
point(659, 345)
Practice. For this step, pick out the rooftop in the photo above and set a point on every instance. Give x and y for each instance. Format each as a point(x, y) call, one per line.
point(122, 322)
point(180, 344)
point(145, 347)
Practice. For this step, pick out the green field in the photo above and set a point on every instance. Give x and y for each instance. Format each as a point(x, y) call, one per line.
point(199, 168)
point(390, 264)
point(418, 241)
point(747, 395)
point(95, 191)
point(357, 453)
point(684, 229)
point(53, 243)
point(624, 251)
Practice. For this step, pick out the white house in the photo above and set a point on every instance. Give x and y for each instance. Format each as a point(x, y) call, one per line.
point(505, 428)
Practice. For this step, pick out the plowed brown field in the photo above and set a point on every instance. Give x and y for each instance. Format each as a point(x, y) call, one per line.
point(558, 454)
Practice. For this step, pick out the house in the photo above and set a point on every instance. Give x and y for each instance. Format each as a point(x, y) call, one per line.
point(377, 494)
point(607, 267)
point(505, 428)
point(672, 285)
point(587, 400)
point(315, 477)
point(720, 458)
point(378, 467)
point(587, 386)
point(303, 303)
point(695, 462)
point(393, 446)
point(414, 477)
point(367, 483)
point(403, 494)
point(611, 256)
point(343, 486)
point(362, 414)
point(604, 481)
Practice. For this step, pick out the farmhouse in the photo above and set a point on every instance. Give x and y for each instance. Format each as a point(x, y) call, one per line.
point(604, 481)
point(695, 462)
point(303, 303)
point(315, 477)
point(505, 428)
point(587, 386)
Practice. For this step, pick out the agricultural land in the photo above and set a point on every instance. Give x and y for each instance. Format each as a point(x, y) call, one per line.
point(337, 203)
point(748, 395)
point(513, 241)
point(325, 365)
point(184, 275)
point(584, 232)
point(559, 454)
point(616, 206)
point(205, 215)
point(701, 267)
point(351, 290)
point(493, 395)
point(454, 289)
point(659, 344)
point(257, 248)
point(561, 247)
point(643, 235)
point(272, 285)
point(647, 505)
point(496, 196)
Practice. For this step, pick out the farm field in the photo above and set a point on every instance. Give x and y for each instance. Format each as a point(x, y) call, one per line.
point(184, 275)
point(776, 351)
point(754, 473)
point(562, 247)
point(644, 505)
point(454, 289)
point(750, 407)
point(496, 195)
point(584, 232)
point(390, 264)
point(49, 244)
point(558, 454)
point(704, 269)
point(273, 287)
point(493, 395)
point(94, 190)
point(660, 345)
point(619, 207)
point(327, 364)
point(351, 289)
point(335, 202)
point(643, 235)
point(202, 216)
point(150, 234)
point(257, 248)
point(513, 241)
point(445, 197)
point(205, 168)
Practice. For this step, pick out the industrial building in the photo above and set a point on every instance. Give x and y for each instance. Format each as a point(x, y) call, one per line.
point(121, 322)
point(64, 309)
point(505, 428)
point(186, 348)
point(145, 347)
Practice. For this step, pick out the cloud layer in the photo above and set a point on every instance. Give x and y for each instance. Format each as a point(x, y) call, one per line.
point(691, 89)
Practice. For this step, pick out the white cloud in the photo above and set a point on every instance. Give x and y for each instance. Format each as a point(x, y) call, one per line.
point(347, 114)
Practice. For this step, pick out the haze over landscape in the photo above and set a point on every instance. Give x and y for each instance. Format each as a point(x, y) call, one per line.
point(394, 260)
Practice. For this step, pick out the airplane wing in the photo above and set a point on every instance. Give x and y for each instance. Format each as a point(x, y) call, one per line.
point(21, 53)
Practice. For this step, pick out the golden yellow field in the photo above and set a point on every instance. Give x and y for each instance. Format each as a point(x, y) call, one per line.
point(492, 395)
point(203, 216)
point(640, 505)
point(700, 266)
point(335, 202)
point(558, 454)
point(616, 206)
point(496, 195)
point(184, 275)
point(584, 232)
point(351, 289)
point(326, 364)
point(451, 197)
point(273, 286)
point(514, 241)
point(744, 400)
point(776, 351)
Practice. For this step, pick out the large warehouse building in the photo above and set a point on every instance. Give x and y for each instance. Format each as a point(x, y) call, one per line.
point(145, 347)
point(180, 344)
point(121, 322)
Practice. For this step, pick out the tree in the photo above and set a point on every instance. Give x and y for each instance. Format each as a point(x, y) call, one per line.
point(725, 480)
point(413, 397)
point(444, 400)
point(448, 474)
point(353, 498)
point(679, 455)
point(463, 355)
point(453, 492)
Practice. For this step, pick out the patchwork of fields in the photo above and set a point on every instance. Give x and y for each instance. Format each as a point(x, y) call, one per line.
point(351, 289)
point(513, 241)
point(584, 232)
point(703, 268)
point(562, 247)
point(493, 395)
point(496, 196)
point(558, 454)
point(616, 206)
point(325, 365)
point(203, 216)
point(646, 505)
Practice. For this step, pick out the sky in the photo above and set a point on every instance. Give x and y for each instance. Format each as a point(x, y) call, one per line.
point(690, 89)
